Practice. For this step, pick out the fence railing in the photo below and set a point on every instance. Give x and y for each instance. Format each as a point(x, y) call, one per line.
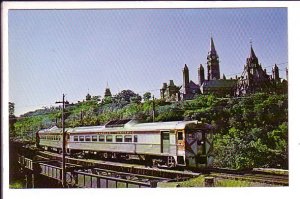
point(81, 179)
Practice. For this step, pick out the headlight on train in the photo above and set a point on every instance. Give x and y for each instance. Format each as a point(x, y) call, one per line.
point(200, 142)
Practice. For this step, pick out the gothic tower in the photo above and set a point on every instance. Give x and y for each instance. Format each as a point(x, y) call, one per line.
point(213, 69)
point(254, 78)
point(107, 92)
point(186, 79)
point(201, 74)
point(252, 67)
point(275, 73)
point(252, 60)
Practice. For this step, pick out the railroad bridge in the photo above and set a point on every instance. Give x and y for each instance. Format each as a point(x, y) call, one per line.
point(43, 169)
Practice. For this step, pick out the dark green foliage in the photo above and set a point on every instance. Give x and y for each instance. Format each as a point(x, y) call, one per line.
point(12, 118)
point(146, 96)
point(128, 96)
point(257, 133)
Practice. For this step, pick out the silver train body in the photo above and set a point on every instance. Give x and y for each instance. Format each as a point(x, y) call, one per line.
point(169, 144)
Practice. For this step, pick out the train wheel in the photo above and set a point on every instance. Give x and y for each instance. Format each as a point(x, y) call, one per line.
point(148, 161)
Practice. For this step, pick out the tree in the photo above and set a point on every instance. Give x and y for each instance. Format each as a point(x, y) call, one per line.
point(146, 96)
point(96, 98)
point(11, 106)
point(128, 96)
point(12, 118)
point(107, 100)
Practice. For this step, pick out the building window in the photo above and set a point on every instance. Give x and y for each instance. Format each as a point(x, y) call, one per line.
point(128, 138)
point(109, 138)
point(101, 138)
point(94, 138)
point(88, 138)
point(180, 135)
point(135, 138)
point(81, 138)
point(75, 138)
point(119, 138)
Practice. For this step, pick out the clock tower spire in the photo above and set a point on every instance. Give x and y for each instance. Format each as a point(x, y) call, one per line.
point(213, 68)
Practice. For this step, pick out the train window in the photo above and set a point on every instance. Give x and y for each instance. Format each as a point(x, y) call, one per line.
point(81, 138)
point(94, 138)
point(109, 138)
point(128, 138)
point(180, 135)
point(119, 138)
point(166, 136)
point(101, 138)
point(88, 138)
point(135, 138)
point(191, 136)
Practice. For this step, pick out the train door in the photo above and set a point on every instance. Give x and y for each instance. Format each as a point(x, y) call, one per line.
point(165, 141)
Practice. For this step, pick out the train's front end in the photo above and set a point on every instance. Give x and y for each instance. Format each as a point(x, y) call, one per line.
point(198, 145)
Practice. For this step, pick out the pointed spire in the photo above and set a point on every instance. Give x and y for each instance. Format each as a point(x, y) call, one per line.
point(252, 54)
point(185, 67)
point(212, 45)
point(201, 67)
point(107, 92)
point(224, 77)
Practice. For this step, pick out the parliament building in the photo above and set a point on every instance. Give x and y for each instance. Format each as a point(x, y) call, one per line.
point(253, 79)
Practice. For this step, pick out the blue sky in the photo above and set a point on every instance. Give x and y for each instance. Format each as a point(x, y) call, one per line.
point(79, 51)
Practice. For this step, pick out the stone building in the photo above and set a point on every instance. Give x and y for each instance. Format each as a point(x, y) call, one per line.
point(213, 83)
point(107, 92)
point(255, 79)
point(170, 91)
point(189, 88)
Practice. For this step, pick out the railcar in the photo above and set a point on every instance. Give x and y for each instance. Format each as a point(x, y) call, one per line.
point(168, 144)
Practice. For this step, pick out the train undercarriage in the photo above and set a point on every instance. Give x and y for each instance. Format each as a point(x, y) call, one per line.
point(147, 160)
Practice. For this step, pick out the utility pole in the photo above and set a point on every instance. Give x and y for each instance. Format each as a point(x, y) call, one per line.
point(81, 117)
point(153, 108)
point(63, 142)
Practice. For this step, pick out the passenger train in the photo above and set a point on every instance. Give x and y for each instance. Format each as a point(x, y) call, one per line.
point(166, 144)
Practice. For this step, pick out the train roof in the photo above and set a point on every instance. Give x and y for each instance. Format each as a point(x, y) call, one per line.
point(130, 125)
point(53, 129)
point(134, 125)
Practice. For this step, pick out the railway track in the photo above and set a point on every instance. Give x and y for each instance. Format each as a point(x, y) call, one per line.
point(140, 171)
point(252, 176)
point(135, 169)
